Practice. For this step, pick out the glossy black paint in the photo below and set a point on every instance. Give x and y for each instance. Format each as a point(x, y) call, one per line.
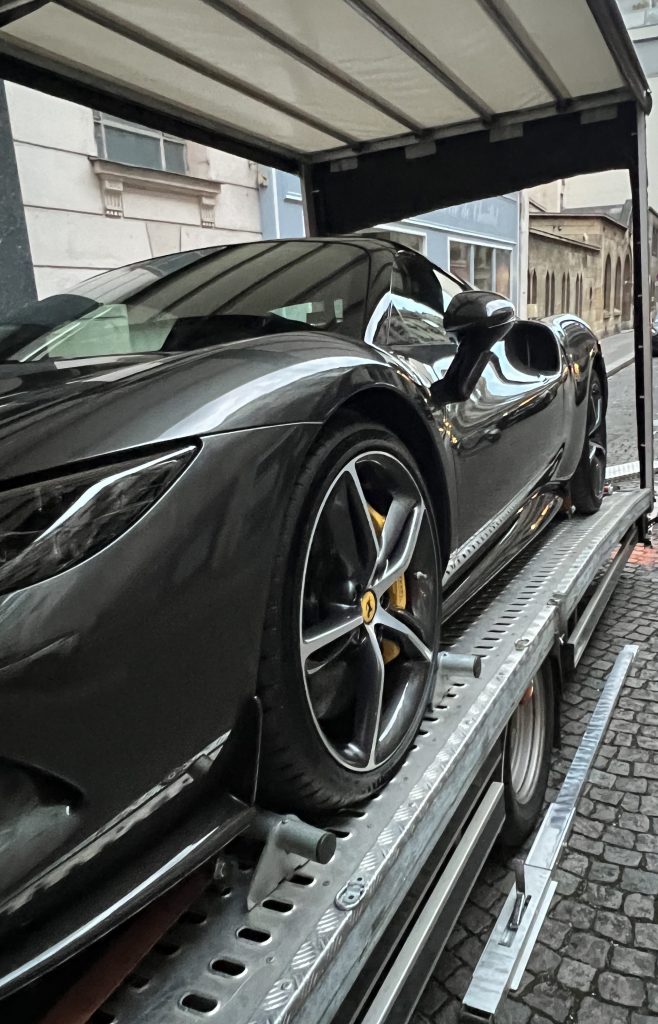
point(124, 680)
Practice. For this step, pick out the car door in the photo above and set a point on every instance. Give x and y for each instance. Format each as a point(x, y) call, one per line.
point(419, 341)
point(508, 435)
point(505, 435)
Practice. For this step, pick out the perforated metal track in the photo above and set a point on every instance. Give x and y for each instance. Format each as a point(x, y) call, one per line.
point(295, 955)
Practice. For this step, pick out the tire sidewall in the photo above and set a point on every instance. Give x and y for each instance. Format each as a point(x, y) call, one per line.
point(521, 818)
point(306, 747)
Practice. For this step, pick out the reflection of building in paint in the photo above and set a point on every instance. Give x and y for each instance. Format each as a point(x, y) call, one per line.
point(478, 241)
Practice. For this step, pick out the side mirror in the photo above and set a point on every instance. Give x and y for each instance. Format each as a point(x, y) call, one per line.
point(478, 320)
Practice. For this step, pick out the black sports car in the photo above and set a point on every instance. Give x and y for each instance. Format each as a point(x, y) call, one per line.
point(240, 481)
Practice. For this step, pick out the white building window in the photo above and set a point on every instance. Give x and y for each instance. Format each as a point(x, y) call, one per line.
point(126, 143)
point(487, 267)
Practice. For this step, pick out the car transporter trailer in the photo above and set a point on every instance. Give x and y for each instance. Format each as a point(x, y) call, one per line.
point(344, 924)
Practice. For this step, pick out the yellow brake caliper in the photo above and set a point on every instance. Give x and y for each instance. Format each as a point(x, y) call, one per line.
point(397, 592)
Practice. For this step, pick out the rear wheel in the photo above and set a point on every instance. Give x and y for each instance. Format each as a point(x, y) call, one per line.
point(589, 479)
point(353, 623)
point(527, 759)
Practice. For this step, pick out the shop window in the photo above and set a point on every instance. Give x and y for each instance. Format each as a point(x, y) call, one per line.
point(487, 267)
point(503, 271)
point(461, 255)
point(128, 143)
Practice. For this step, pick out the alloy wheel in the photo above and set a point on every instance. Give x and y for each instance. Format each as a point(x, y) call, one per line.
point(369, 610)
point(596, 437)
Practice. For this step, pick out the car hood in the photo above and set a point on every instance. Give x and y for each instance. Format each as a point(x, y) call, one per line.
point(52, 414)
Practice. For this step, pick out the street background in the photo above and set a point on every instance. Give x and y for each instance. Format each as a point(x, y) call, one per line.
point(596, 958)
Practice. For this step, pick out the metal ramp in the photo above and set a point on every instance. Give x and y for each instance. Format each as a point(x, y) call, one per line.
point(296, 955)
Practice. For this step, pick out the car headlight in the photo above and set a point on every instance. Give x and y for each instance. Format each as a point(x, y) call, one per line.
point(48, 527)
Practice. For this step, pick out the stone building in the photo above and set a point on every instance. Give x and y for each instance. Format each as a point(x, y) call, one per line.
point(580, 261)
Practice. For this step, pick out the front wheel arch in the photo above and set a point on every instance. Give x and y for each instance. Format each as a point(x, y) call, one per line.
point(390, 410)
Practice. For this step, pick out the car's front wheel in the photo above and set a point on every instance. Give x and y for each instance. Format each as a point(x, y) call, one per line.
point(352, 634)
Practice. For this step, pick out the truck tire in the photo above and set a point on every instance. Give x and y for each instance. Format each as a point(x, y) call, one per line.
point(527, 759)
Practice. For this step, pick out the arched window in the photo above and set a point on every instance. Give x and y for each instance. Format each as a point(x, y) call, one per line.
point(627, 288)
point(533, 287)
point(552, 293)
point(618, 284)
point(547, 295)
point(567, 305)
point(579, 299)
point(591, 296)
point(607, 286)
point(563, 294)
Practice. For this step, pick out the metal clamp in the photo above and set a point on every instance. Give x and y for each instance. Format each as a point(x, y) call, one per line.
point(451, 666)
point(289, 843)
point(520, 899)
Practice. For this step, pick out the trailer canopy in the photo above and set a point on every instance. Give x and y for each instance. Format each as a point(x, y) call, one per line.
point(337, 89)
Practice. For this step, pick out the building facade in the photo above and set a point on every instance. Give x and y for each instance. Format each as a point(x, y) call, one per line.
point(478, 241)
point(97, 192)
point(580, 261)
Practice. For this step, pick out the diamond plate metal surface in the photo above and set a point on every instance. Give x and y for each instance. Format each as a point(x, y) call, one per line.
point(280, 962)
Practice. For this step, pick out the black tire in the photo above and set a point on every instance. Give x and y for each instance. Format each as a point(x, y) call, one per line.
point(588, 481)
point(300, 769)
point(525, 771)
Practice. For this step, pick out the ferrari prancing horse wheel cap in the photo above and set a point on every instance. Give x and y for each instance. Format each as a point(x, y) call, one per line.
point(368, 606)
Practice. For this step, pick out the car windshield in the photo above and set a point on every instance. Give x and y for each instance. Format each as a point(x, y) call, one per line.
point(197, 299)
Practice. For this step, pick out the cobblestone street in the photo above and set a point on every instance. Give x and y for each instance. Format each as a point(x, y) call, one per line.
point(595, 961)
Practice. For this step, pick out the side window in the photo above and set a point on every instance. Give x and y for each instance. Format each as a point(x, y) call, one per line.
point(416, 304)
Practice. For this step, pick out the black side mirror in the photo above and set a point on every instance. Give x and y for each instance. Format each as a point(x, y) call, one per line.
point(477, 320)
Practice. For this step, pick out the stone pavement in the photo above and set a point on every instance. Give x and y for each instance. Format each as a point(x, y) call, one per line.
point(595, 961)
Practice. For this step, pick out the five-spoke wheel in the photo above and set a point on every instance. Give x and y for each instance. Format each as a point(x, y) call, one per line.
point(368, 609)
point(354, 626)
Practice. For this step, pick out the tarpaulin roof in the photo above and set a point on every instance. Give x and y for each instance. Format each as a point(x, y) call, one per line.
point(325, 87)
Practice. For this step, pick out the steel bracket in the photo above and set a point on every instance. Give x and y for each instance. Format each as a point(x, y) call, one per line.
point(289, 844)
point(451, 669)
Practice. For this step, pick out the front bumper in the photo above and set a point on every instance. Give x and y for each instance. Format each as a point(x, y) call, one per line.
point(122, 672)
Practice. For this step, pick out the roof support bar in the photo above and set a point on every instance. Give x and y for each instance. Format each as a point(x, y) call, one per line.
point(38, 70)
point(611, 25)
point(641, 292)
point(212, 71)
point(372, 12)
point(510, 26)
point(263, 29)
point(12, 10)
